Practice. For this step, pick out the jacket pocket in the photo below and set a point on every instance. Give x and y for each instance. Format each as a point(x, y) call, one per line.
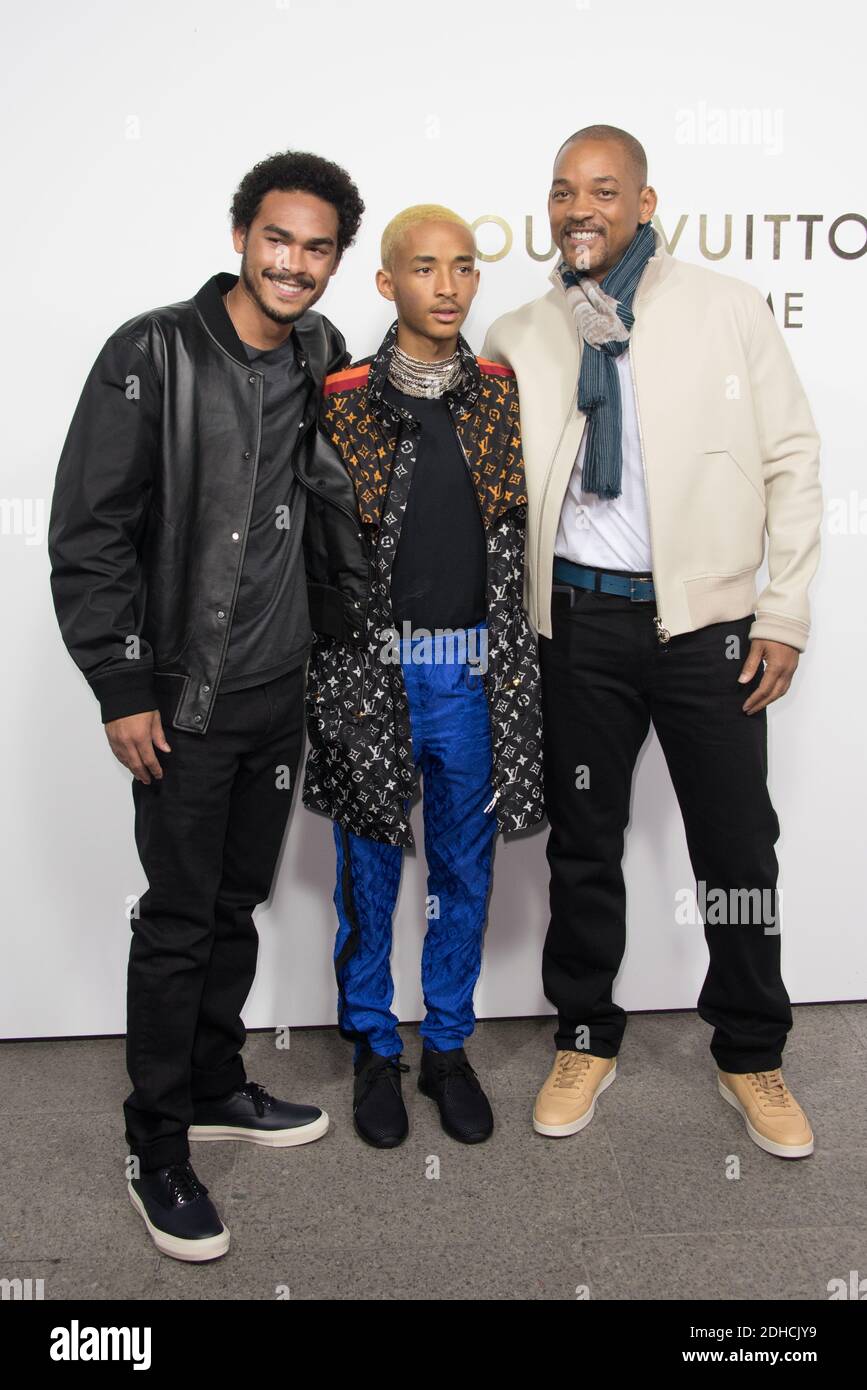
point(166, 604)
point(170, 591)
point(737, 470)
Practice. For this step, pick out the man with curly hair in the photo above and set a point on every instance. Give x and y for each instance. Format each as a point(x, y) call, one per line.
point(178, 582)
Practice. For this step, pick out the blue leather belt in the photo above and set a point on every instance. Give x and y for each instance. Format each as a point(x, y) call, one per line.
point(636, 588)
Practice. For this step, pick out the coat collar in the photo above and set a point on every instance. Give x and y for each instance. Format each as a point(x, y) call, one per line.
point(209, 302)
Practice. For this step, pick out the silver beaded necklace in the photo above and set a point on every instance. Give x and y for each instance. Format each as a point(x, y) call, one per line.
point(417, 378)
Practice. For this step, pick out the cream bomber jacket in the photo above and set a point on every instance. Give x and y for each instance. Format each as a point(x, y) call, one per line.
point(729, 447)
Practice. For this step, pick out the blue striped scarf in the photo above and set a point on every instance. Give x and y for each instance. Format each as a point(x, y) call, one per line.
point(603, 317)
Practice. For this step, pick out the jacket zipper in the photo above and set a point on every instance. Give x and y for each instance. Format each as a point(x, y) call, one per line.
point(662, 634)
point(497, 790)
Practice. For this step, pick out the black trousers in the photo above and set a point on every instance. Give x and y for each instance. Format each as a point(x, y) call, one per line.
point(605, 678)
point(209, 837)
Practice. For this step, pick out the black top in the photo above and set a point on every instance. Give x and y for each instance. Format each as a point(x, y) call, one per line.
point(271, 625)
point(439, 571)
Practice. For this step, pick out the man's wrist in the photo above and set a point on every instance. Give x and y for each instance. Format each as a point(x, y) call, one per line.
point(122, 695)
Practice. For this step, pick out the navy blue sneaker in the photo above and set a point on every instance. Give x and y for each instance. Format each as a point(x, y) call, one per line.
point(250, 1113)
point(181, 1218)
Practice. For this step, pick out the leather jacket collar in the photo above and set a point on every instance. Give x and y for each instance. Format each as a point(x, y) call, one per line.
point(212, 311)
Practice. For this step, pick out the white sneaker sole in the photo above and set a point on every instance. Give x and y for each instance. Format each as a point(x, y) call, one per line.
point(769, 1145)
point(559, 1131)
point(272, 1139)
point(194, 1251)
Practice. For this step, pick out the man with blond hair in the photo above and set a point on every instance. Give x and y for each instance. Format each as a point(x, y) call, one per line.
point(423, 661)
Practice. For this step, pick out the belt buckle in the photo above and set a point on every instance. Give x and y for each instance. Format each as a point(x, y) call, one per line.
point(638, 579)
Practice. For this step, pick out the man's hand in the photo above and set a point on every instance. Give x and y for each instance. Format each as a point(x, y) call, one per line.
point(780, 661)
point(133, 740)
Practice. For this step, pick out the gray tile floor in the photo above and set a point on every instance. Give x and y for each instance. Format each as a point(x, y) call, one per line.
point(639, 1205)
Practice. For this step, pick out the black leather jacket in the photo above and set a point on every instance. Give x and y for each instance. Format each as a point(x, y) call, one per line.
point(153, 499)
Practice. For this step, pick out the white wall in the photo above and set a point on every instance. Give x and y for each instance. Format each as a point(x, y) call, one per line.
point(126, 128)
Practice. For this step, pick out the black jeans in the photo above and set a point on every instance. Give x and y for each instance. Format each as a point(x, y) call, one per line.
point(605, 677)
point(208, 836)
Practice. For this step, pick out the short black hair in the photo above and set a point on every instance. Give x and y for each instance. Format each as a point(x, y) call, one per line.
point(633, 147)
point(307, 173)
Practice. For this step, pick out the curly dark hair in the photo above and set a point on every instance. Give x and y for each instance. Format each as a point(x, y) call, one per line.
point(308, 173)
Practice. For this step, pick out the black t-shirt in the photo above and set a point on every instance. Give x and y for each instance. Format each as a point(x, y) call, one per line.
point(439, 571)
point(271, 624)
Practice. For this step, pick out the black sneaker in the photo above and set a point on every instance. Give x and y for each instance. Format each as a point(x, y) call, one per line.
point(448, 1078)
point(252, 1114)
point(378, 1108)
point(182, 1220)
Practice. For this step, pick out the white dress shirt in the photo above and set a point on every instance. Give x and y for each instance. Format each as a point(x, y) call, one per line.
point(611, 533)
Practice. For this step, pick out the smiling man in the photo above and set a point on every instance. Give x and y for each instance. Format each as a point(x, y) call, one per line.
point(665, 434)
point(423, 662)
point(178, 581)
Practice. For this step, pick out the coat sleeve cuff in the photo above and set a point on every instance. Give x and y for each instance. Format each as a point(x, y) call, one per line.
point(123, 695)
point(773, 627)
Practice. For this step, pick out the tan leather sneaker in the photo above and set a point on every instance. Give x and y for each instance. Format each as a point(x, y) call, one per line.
point(774, 1119)
point(567, 1100)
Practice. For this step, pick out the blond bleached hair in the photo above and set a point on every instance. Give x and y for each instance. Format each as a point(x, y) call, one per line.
point(410, 217)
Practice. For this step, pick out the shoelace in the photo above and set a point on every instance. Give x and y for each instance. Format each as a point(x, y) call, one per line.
point(449, 1071)
point(771, 1087)
point(261, 1098)
point(571, 1069)
point(378, 1068)
point(183, 1185)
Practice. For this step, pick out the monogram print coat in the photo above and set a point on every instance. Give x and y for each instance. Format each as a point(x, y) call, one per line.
point(360, 769)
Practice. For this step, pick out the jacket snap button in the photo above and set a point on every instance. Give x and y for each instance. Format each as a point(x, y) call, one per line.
point(197, 718)
point(221, 613)
point(235, 536)
point(252, 380)
point(246, 454)
point(205, 689)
